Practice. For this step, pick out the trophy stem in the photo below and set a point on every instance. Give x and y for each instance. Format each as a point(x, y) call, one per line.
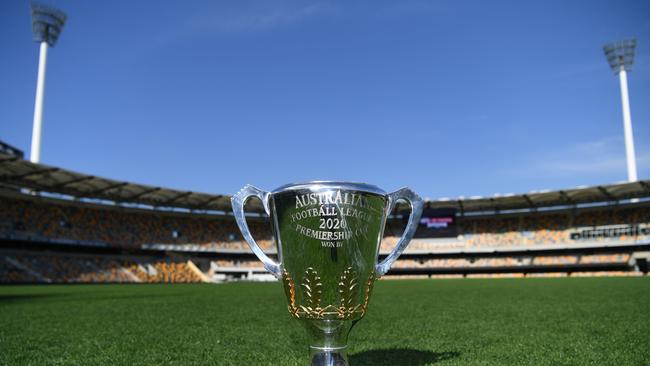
point(328, 356)
point(328, 341)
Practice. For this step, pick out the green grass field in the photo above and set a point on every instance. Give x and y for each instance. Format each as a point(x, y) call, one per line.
point(569, 321)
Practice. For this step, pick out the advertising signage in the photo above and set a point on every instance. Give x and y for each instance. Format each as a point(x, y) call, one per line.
point(437, 223)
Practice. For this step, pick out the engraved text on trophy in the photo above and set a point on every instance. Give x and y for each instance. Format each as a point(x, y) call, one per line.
point(341, 215)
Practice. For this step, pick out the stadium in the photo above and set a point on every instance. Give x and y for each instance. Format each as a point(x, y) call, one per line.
point(96, 269)
point(86, 229)
point(63, 227)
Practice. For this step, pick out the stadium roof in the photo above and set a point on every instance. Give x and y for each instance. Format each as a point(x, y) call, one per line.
point(535, 200)
point(16, 173)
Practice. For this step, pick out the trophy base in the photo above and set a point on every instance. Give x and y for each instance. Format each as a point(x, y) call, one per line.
point(328, 356)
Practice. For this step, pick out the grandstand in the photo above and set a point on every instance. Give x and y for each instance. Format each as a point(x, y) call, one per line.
point(59, 226)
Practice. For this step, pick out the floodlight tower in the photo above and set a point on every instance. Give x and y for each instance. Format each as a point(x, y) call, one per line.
point(620, 56)
point(47, 23)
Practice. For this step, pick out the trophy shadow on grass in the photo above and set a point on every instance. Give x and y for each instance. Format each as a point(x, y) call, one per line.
point(399, 356)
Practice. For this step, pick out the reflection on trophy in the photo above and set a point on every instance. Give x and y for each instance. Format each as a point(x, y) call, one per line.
point(328, 236)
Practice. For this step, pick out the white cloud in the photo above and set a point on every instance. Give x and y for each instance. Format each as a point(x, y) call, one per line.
point(256, 19)
point(603, 156)
point(249, 17)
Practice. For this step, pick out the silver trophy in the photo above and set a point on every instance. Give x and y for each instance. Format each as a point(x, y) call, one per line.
point(328, 236)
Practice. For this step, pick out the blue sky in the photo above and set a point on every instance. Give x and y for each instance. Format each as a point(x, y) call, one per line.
point(450, 98)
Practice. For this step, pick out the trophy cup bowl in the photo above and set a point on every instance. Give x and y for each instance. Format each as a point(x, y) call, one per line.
point(328, 236)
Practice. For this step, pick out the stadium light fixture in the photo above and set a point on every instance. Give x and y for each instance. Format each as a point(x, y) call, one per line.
point(620, 56)
point(47, 23)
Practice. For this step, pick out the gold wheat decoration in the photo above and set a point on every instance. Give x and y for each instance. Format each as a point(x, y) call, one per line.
point(312, 286)
point(290, 289)
point(347, 289)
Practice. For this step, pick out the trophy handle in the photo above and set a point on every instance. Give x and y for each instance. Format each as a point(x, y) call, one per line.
point(416, 204)
point(238, 201)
